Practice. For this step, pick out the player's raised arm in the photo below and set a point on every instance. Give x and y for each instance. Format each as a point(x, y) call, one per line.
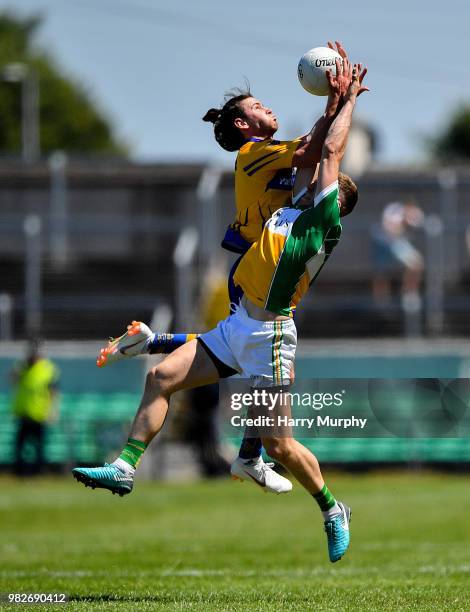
point(308, 153)
point(336, 139)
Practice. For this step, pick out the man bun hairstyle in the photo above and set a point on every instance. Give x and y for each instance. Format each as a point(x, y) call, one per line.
point(227, 135)
point(348, 189)
point(212, 115)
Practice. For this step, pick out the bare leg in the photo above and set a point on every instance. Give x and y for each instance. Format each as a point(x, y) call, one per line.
point(300, 462)
point(281, 446)
point(187, 367)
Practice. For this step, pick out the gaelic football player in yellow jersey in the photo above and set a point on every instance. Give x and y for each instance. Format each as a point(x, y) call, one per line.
point(264, 168)
point(259, 341)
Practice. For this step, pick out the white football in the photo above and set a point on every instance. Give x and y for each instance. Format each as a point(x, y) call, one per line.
point(312, 69)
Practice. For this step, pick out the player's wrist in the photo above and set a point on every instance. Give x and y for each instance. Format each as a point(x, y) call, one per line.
point(350, 98)
point(332, 112)
point(332, 104)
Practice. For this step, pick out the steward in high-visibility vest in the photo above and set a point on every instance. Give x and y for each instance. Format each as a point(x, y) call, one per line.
point(35, 391)
point(33, 402)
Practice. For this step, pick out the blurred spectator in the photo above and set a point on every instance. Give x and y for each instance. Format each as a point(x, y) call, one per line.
point(204, 401)
point(34, 405)
point(393, 250)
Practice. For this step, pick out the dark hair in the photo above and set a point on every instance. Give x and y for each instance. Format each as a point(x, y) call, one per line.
point(227, 135)
point(350, 194)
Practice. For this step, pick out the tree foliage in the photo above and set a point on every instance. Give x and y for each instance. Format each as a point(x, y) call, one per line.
point(453, 143)
point(69, 119)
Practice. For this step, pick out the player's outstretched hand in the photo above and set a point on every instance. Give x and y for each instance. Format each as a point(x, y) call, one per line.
point(362, 74)
point(340, 83)
point(356, 87)
point(343, 77)
point(338, 47)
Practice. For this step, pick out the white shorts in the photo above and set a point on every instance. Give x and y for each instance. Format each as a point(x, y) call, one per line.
point(263, 351)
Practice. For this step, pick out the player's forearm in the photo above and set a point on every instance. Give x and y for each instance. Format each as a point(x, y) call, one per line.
point(337, 137)
point(310, 152)
point(321, 127)
point(319, 131)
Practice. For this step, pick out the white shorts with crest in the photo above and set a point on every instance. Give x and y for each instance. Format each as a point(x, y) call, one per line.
point(262, 351)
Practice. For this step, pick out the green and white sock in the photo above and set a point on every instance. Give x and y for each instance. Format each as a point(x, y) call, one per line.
point(327, 502)
point(124, 467)
point(132, 452)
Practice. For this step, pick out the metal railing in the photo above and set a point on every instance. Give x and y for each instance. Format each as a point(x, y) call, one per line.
point(48, 242)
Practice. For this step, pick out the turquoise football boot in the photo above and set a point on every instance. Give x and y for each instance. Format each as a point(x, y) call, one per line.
point(337, 532)
point(107, 477)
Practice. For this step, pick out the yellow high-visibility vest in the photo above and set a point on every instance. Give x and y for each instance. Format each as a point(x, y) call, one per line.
point(33, 397)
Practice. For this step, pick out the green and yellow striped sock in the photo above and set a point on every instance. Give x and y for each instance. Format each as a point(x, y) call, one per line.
point(133, 451)
point(324, 499)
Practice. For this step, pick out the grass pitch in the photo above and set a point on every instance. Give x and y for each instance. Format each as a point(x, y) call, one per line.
point(227, 546)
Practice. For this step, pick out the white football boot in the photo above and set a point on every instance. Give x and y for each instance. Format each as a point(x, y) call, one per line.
point(134, 342)
point(261, 474)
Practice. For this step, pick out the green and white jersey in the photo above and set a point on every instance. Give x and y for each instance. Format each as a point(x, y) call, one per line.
point(278, 269)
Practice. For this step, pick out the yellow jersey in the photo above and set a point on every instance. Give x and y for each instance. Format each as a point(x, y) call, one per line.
point(264, 178)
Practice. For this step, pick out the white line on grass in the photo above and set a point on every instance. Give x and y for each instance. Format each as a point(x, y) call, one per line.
point(201, 573)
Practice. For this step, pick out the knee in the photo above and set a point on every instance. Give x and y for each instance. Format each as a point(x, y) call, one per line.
point(156, 381)
point(279, 449)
